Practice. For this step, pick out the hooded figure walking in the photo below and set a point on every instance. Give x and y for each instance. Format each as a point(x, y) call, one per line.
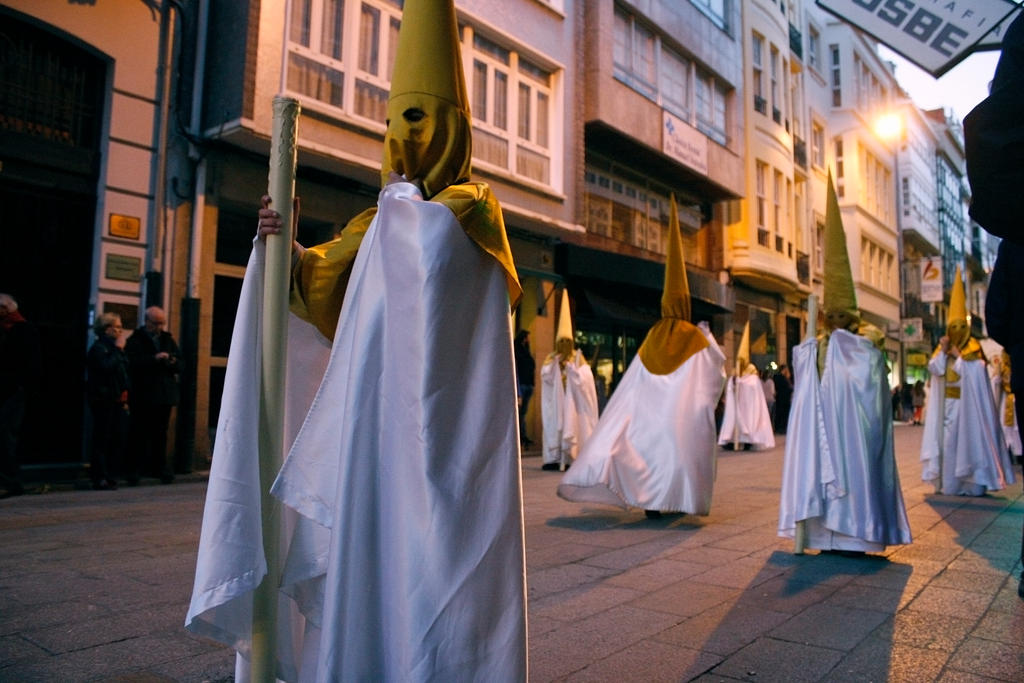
point(839, 472)
point(406, 558)
point(962, 451)
point(654, 444)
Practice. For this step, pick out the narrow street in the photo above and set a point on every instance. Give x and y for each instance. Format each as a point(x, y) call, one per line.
point(95, 585)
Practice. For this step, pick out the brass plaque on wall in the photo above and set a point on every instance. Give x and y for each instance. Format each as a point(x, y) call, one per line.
point(121, 267)
point(125, 226)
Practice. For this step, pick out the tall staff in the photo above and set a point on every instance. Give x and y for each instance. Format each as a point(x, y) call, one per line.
point(281, 187)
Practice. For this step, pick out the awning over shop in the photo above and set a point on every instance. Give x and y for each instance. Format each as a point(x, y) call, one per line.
point(628, 288)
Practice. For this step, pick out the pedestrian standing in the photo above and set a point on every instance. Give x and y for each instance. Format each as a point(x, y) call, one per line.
point(107, 389)
point(783, 397)
point(154, 365)
point(19, 373)
point(768, 387)
point(917, 399)
point(526, 369)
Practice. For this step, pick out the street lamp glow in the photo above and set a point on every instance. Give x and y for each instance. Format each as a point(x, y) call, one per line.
point(889, 126)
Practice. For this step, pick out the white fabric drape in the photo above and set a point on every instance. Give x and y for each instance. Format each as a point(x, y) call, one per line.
point(745, 418)
point(654, 445)
point(407, 558)
point(839, 471)
point(962, 450)
point(568, 408)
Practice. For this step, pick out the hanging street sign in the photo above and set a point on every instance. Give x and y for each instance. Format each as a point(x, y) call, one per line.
point(931, 279)
point(936, 35)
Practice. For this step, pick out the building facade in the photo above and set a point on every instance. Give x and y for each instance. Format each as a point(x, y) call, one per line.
point(141, 164)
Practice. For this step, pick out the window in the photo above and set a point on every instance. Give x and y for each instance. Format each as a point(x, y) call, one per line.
point(674, 81)
point(837, 86)
point(819, 244)
point(633, 53)
point(756, 58)
point(715, 10)
point(633, 210)
point(321, 55)
point(813, 48)
point(817, 145)
point(839, 167)
point(341, 54)
point(778, 214)
point(512, 110)
point(773, 64)
point(760, 180)
point(711, 106)
point(875, 185)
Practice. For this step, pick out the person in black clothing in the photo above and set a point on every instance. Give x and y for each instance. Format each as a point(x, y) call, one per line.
point(107, 388)
point(154, 366)
point(783, 397)
point(525, 370)
point(994, 147)
point(19, 372)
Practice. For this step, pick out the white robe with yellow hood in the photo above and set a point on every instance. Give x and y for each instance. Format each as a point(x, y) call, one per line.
point(963, 451)
point(654, 444)
point(745, 419)
point(839, 471)
point(408, 560)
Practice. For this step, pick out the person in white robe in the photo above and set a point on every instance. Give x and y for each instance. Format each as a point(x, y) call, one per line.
point(840, 484)
point(746, 421)
point(406, 559)
point(963, 451)
point(654, 444)
point(568, 397)
point(1006, 403)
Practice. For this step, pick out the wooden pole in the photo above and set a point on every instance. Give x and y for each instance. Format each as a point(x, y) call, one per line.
point(281, 188)
point(800, 534)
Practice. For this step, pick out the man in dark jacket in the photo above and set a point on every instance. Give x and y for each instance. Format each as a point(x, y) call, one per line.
point(994, 144)
point(153, 360)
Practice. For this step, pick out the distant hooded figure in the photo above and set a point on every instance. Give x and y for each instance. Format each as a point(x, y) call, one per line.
point(746, 421)
point(654, 444)
point(568, 396)
point(405, 558)
point(962, 450)
point(839, 472)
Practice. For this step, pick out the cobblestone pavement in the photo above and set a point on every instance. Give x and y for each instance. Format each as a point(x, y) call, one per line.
point(94, 586)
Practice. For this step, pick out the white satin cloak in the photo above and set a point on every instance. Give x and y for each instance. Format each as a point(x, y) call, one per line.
point(231, 562)
point(569, 410)
point(410, 458)
point(745, 418)
point(962, 449)
point(839, 471)
point(654, 444)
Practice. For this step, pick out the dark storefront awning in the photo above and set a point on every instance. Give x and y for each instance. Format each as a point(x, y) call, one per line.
point(627, 290)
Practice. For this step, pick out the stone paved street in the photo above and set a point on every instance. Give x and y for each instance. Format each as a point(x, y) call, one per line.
point(94, 586)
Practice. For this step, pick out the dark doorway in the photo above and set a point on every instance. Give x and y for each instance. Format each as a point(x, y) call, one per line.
point(45, 253)
point(51, 95)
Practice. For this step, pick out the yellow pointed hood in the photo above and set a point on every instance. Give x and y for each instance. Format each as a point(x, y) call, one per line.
point(675, 297)
point(674, 338)
point(957, 328)
point(429, 132)
point(957, 299)
point(839, 294)
point(564, 318)
point(743, 352)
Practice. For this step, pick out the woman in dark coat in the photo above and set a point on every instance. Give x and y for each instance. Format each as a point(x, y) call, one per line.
point(107, 389)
